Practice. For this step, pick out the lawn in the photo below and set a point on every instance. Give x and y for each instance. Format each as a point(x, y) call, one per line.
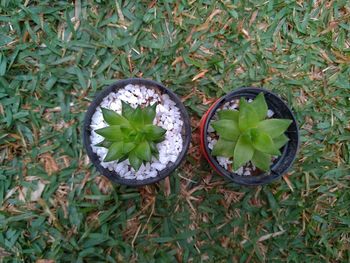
point(55, 56)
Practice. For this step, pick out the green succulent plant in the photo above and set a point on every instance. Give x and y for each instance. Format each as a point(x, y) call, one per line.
point(246, 134)
point(131, 135)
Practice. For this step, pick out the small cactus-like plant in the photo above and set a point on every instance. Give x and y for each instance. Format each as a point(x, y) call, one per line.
point(246, 134)
point(131, 135)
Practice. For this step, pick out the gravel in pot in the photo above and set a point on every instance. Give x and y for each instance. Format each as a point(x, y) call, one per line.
point(170, 115)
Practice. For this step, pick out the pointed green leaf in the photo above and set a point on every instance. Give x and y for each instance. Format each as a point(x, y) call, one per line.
point(248, 118)
point(104, 143)
point(160, 139)
point(140, 137)
point(128, 133)
point(127, 110)
point(224, 148)
point(143, 151)
point(261, 160)
point(111, 133)
point(274, 127)
point(136, 118)
point(153, 147)
point(135, 162)
point(149, 113)
point(263, 142)
point(280, 141)
point(229, 115)
point(128, 146)
point(126, 156)
point(153, 132)
point(227, 129)
point(156, 155)
point(113, 118)
point(260, 106)
point(243, 152)
point(115, 151)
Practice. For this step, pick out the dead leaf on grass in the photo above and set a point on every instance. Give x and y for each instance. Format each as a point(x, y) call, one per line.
point(50, 164)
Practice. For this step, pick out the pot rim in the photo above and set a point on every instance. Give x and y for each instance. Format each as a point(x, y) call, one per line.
point(112, 175)
point(292, 145)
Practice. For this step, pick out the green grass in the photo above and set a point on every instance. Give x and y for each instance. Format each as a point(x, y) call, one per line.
point(55, 55)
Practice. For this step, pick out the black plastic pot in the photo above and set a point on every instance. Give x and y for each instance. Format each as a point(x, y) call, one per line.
point(289, 151)
point(112, 175)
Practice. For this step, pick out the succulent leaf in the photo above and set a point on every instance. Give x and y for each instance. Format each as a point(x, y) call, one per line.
point(228, 115)
point(261, 141)
point(246, 136)
point(261, 160)
point(113, 118)
point(104, 143)
point(136, 118)
point(131, 135)
point(135, 162)
point(111, 133)
point(149, 113)
point(115, 151)
point(224, 148)
point(227, 129)
point(248, 118)
point(128, 146)
point(274, 127)
point(143, 151)
point(123, 158)
point(153, 132)
point(280, 141)
point(127, 110)
point(260, 106)
point(153, 147)
point(243, 152)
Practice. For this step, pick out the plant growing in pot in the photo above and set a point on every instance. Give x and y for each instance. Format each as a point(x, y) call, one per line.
point(250, 136)
point(136, 132)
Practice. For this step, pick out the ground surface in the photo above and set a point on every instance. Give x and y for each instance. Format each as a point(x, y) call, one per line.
point(56, 55)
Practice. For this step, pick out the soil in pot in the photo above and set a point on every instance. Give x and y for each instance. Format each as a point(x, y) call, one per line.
point(168, 116)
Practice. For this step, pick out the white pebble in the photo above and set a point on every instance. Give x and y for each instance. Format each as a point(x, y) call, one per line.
point(270, 113)
point(152, 174)
point(173, 158)
point(239, 171)
point(158, 166)
point(210, 128)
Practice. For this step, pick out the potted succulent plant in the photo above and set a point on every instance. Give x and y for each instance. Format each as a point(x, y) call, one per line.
point(136, 132)
point(249, 136)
